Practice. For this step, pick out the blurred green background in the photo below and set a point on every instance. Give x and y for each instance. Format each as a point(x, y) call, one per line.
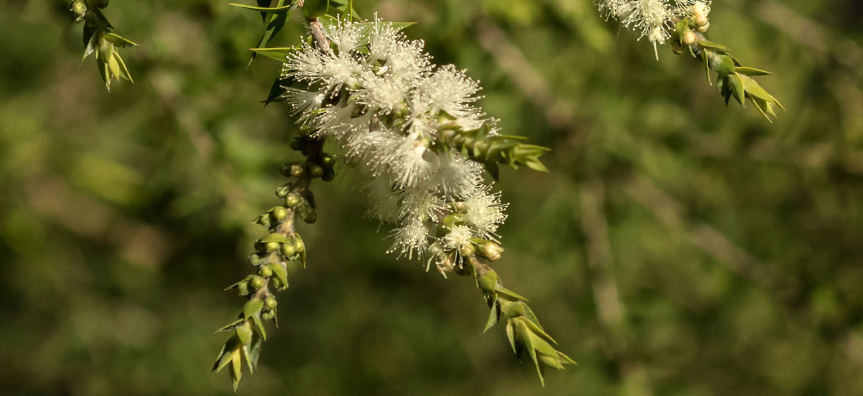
point(678, 247)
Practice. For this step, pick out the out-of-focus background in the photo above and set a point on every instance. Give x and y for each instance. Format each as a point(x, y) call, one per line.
point(678, 247)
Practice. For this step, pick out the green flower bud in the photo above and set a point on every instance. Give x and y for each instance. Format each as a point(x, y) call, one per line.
point(315, 171)
point(268, 315)
point(78, 8)
point(270, 302)
point(280, 213)
point(285, 169)
point(263, 220)
point(491, 251)
point(307, 213)
point(299, 246)
point(511, 309)
point(288, 250)
point(282, 191)
point(265, 271)
point(256, 259)
point(292, 200)
point(278, 284)
point(297, 170)
point(328, 161)
point(271, 246)
point(329, 175)
point(257, 282)
point(243, 288)
point(486, 278)
point(296, 143)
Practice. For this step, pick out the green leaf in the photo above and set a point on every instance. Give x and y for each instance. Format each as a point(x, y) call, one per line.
point(524, 335)
point(315, 8)
point(119, 41)
point(277, 53)
point(509, 293)
point(540, 332)
point(279, 238)
point(749, 71)
point(493, 316)
point(236, 369)
point(265, 10)
point(264, 4)
point(536, 165)
point(510, 335)
point(252, 307)
point(737, 90)
point(706, 65)
point(248, 359)
point(277, 92)
point(124, 71)
point(280, 273)
point(260, 326)
point(277, 22)
point(302, 252)
point(231, 326)
point(244, 332)
point(713, 46)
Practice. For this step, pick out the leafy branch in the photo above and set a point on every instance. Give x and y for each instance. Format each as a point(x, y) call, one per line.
point(100, 39)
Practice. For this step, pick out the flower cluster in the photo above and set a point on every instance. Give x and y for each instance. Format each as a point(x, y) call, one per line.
point(653, 18)
point(377, 96)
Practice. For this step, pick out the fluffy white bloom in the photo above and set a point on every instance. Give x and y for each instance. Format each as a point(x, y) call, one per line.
point(485, 212)
point(459, 236)
point(377, 96)
point(652, 18)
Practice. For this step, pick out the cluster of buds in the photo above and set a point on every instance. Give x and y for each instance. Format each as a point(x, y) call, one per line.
point(100, 39)
point(273, 252)
point(733, 79)
point(685, 22)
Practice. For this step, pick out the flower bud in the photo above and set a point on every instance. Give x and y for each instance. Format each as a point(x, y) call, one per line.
point(278, 283)
point(257, 282)
point(271, 246)
point(328, 161)
point(316, 170)
point(270, 302)
point(299, 246)
point(700, 20)
point(292, 200)
point(255, 259)
point(288, 250)
point(689, 38)
point(704, 28)
point(78, 9)
point(265, 271)
point(329, 175)
point(282, 191)
point(466, 250)
point(279, 213)
point(297, 170)
point(307, 213)
point(491, 251)
point(296, 144)
point(285, 170)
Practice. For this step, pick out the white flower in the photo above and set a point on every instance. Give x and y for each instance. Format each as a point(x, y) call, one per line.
point(485, 212)
point(303, 103)
point(653, 19)
point(410, 239)
point(347, 36)
point(449, 90)
point(459, 236)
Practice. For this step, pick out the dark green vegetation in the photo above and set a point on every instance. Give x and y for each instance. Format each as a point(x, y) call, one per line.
point(677, 247)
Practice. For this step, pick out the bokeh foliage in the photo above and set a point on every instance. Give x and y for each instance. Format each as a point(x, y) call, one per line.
point(678, 247)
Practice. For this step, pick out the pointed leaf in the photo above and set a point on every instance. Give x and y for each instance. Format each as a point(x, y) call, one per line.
point(248, 359)
point(749, 71)
point(119, 41)
point(509, 293)
point(260, 326)
point(236, 369)
point(510, 334)
point(713, 46)
point(737, 88)
point(277, 22)
point(493, 316)
point(252, 307)
point(277, 53)
point(540, 332)
point(230, 326)
point(265, 10)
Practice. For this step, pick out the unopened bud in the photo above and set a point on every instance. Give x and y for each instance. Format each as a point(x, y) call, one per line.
point(299, 246)
point(256, 259)
point(328, 161)
point(689, 38)
point(700, 20)
point(307, 213)
point(466, 250)
point(288, 250)
point(271, 246)
point(296, 143)
point(277, 283)
point(78, 8)
point(316, 171)
point(297, 170)
point(270, 302)
point(257, 282)
point(292, 200)
point(329, 175)
point(491, 251)
point(704, 28)
point(282, 191)
point(265, 271)
point(279, 213)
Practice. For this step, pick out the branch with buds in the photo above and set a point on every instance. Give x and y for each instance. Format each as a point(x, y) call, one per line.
point(684, 22)
point(99, 38)
point(412, 132)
